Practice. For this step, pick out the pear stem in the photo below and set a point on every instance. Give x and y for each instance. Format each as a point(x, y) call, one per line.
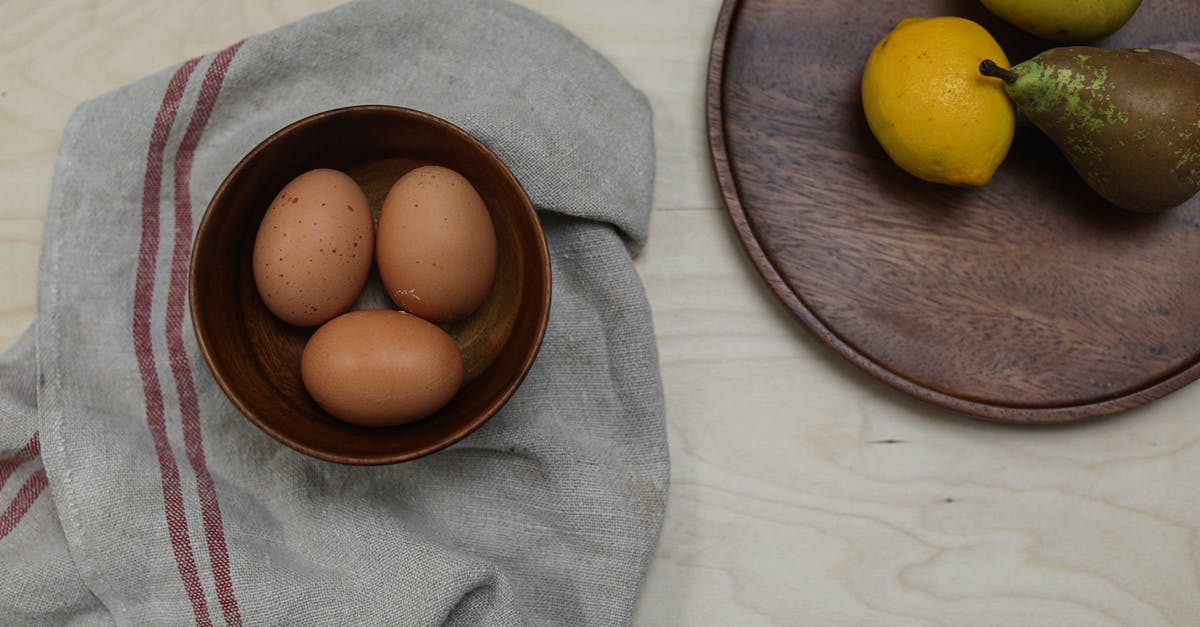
point(989, 68)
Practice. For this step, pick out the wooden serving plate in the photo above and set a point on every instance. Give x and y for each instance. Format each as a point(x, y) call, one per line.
point(1031, 300)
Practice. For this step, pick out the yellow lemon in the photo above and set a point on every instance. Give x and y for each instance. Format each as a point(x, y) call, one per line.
point(930, 108)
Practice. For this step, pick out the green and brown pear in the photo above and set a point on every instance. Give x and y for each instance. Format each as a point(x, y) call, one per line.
point(1128, 120)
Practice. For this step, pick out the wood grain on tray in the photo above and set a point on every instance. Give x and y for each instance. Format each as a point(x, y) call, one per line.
point(1030, 300)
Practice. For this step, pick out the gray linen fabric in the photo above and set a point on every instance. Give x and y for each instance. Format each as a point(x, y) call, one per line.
point(134, 493)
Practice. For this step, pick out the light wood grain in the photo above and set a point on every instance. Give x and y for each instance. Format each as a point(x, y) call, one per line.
point(803, 492)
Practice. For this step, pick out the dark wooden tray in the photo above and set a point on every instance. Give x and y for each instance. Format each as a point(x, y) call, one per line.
point(1029, 301)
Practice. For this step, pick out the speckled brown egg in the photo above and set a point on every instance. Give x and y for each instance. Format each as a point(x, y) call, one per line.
point(381, 367)
point(436, 245)
point(313, 250)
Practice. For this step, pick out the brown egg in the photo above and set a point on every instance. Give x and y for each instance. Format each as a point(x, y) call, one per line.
point(314, 246)
point(436, 246)
point(380, 367)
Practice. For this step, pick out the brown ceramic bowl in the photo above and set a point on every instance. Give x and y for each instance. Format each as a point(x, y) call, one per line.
point(255, 357)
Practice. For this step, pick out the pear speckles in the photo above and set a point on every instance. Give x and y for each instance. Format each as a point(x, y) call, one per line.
point(1122, 117)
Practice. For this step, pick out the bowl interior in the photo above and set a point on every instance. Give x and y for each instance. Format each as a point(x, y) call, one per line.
point(255, 357)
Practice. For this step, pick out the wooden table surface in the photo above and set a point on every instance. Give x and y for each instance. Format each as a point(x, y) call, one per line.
point(802, 492)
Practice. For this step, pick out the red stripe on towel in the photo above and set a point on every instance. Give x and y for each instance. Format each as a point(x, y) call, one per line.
point(9, 465)
point(24, 500)
point(214, 528)
point(143, 296)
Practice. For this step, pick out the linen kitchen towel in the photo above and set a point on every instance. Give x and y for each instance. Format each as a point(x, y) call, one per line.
point(133, 492)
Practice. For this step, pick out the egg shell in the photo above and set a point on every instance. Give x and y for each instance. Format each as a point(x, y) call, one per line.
point(313, 250)
point(436, 245)
point(381, 367)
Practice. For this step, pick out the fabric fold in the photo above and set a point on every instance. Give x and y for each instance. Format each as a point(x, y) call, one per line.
point(167, 506)
point(41, 584)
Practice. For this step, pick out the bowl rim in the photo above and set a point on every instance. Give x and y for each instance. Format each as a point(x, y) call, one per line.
point(542, 255)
